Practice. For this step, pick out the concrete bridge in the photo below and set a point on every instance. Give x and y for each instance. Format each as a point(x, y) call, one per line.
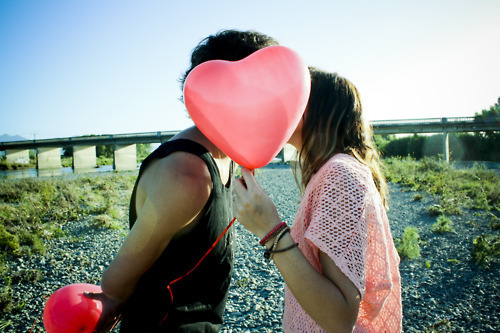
point(48, 151)
point(437, 125)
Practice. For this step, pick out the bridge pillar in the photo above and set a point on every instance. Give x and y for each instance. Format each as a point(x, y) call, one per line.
point(289, 153)
point(446, 146)
point(18, 155)
point(84, 157)
point(125, 157)
point(446, 141)
point(48, 158)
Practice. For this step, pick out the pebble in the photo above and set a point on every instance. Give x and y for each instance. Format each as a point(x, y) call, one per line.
point(462, 293)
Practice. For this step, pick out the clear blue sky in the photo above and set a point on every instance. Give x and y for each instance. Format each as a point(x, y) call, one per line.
point(71, 68)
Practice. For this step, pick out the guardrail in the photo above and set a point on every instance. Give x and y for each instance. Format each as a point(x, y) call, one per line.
point(436, 125)
point(94, 140)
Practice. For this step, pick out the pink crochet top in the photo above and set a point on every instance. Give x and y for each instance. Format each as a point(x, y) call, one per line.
point(342, 215)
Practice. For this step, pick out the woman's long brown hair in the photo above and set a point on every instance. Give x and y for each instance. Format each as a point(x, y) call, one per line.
point(333, 123)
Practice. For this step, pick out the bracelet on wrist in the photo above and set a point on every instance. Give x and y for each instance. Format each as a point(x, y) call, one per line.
point(272, 233)
point(269, 253)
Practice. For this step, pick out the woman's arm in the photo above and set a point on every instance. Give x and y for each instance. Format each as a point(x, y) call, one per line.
point(331, 299)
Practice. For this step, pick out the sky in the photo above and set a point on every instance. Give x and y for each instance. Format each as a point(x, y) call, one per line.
point(70, 68)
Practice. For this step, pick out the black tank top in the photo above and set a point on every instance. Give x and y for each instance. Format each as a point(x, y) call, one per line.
point(199, 299)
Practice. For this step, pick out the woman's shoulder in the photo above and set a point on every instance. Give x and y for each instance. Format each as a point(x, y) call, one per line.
point(344, 165)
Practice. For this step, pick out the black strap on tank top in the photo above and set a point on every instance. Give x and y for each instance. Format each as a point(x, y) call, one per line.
point(162, 151)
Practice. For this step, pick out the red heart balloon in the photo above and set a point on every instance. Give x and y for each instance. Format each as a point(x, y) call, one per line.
point(68, 311)
point(249, 108)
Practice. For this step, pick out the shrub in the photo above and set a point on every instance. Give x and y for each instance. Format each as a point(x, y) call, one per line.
point(443, 225)
point(27, 275)
point(485, 249)
point(31, 242)
point(6, 299)
point(409, 245)
point(104, 161)
point(104, 221)
point(418, 197)
point(9, 242)
point(442, 326)
point(494, 222)
point(435, 210)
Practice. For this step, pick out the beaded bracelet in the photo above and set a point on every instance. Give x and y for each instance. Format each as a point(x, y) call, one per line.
point(276, 229)
point(271, 250)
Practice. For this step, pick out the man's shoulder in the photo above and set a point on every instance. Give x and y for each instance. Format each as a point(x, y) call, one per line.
point(179, 169)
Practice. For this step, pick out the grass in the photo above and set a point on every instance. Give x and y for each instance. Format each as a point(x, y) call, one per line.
point(456, 189)
point(34, 209)
point(6, 165)
point(476, 187)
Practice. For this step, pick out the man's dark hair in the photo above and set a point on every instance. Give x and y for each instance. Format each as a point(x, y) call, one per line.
point(231, 45)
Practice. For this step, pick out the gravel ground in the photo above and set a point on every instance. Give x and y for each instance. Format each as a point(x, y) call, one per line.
point(453, 288)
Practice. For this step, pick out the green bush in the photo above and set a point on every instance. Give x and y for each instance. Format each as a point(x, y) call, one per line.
point(443, 225)
point(409, 245)
point(6, 299)
point(442, 326)
point(418, 197)
point(9, 242)
point(485, 249)
point(494, 222)
point(101, 160)
point(105, 221)
point(435, 210)
point(27, 276)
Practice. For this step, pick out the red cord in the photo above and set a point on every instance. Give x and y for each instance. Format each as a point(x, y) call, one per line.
point(197, 264)
point(36, 319)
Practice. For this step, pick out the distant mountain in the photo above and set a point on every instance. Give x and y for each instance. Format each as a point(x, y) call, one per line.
point(7, 138)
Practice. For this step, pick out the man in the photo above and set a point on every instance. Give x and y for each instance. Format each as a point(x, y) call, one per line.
point(180, 205)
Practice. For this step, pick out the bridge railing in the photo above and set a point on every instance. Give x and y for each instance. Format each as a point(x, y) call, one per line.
point(48, 150)
point(425, 121)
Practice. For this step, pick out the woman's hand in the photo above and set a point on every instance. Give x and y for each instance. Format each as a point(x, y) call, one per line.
point(110, 316)
point(252, 207)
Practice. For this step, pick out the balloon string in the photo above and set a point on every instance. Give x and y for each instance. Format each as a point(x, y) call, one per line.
point(36, 319)
point(197, 264)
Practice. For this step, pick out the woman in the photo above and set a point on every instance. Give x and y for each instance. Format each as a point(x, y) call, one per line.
point(338, 260)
